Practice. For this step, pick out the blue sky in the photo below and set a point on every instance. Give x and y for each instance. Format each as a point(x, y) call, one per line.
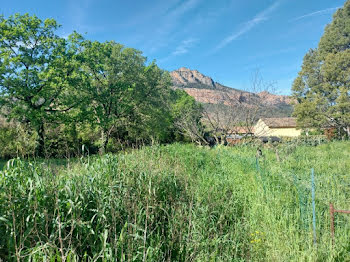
point(225, 39)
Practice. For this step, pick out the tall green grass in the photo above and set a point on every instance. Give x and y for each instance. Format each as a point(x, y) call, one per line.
point(2, 163)
point(177, 203)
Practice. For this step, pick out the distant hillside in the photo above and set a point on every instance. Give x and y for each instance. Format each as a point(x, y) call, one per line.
point(205, 90)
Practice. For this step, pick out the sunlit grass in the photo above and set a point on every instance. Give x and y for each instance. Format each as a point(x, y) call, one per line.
point(177, 203)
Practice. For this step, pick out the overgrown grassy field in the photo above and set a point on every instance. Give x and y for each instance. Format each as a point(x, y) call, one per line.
point(178, 203)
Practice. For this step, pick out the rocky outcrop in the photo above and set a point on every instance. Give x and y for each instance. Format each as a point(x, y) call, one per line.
point(205, 90)
point(187, 78)
point(273, 99)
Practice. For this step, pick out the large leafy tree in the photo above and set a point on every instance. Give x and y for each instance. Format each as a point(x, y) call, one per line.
point(125, 97)
point(108, 69)
point(37, 71)
point(322, 88)
point(151, 119)
point(52, 83)
point(187, 114)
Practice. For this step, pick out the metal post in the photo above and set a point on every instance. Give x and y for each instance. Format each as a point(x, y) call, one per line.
point(342, 211)
point(332, 211)
point(313, 204)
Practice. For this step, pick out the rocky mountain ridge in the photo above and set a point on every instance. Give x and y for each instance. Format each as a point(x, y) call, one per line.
point(187, 78)
point(205, 90)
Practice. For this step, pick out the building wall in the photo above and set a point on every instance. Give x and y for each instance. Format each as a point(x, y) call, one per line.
point(290, 132)
point(261, 129)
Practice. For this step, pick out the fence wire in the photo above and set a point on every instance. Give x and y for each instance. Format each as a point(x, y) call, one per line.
point(331, 188)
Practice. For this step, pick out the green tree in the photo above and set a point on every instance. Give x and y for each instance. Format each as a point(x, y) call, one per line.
point(108, 91)
point(151, 118)
point(187, 114)
point(322, 88)
point(37, 72)
point(125, 97)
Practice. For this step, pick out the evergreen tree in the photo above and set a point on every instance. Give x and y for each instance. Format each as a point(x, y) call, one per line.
point(322, 88)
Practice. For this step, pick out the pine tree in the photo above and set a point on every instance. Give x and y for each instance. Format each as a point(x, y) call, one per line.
point(322, 88)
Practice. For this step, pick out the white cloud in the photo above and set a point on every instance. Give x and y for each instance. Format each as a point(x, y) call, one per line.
point(168, 25)
point(184, 46)
point(319, 12)
point(247, 26)
point(183, 8)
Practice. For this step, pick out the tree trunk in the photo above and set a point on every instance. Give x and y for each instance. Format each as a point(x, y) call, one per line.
point(216, 139)
point(41, 146)
point(347, 130)
point(104, 138)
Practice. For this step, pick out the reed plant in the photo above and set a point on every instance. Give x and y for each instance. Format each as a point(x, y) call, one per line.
point(176, 203)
